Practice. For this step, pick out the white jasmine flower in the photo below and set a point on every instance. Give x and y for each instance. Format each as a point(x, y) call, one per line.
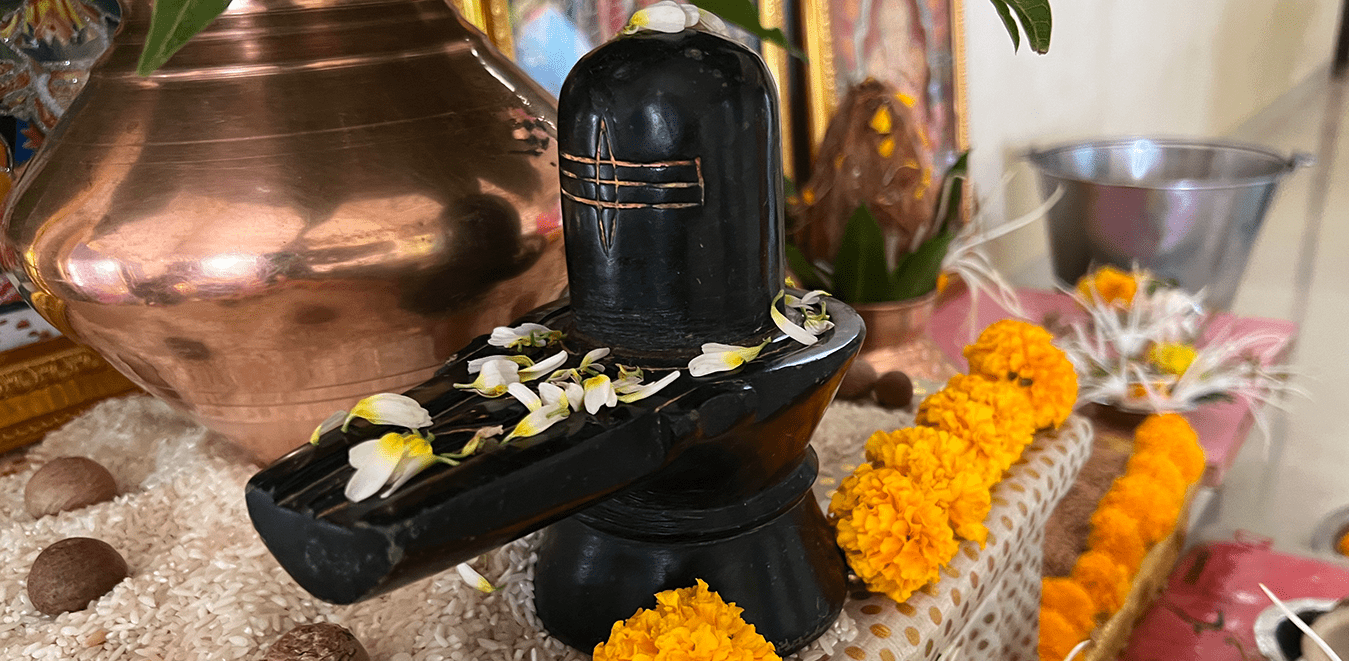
point(392, 459)
point(475, 365)
point(386, 408)
point(722, 358)
point(543, 367)
point(522, 336)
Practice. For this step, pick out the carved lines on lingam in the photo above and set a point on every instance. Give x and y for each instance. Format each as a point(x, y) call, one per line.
point(607, 185)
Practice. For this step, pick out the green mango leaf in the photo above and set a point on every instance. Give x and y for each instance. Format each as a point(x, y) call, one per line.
point(172, 24)
point(1035, 21)
point(917, 274)
point(810, 277)
point(1009, 21)
point(745, 15)
point(860, 273)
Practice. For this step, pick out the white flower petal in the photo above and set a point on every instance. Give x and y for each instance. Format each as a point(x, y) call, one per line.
point(647, 390)
point(473, 578)
point(661, 17)
point(552, 395)
point(599, 393)
point(575, 395)
point(543, 367)
point(690, 14)
point(330, 423)
point(408, 468)
point(710, 363)
point(388, 408)
point(375, 461)
point(524, 395)
point(792, 330)
point(711, 22)
point(536, 422)
point(475, 365)
point(506, 336)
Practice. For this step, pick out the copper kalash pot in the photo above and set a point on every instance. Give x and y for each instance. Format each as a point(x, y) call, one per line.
point(310, 203)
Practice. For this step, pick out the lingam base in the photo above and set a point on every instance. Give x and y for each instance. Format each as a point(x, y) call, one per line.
point(772, 555)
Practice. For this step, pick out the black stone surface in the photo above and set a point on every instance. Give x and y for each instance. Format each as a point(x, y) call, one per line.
point(671, 174)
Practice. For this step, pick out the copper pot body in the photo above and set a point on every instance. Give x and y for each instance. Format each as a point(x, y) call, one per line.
point(313, 201)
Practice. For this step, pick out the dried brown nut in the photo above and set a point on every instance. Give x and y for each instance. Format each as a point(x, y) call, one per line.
point(69, 574)
point(67, 483)
point(858, 381)
point(317, 642)
point(894, 390)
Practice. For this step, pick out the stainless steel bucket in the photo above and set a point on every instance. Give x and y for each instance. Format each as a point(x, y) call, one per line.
point(1187, 210)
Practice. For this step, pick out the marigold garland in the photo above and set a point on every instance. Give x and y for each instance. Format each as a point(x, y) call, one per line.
point(1023, 353)
point(943, 464)
point(994, 417)
point(895, 534)
point(1068, 598)
point(1161, 468)
point(1106, 581)
point(1116, 532)
point(1115, 287)
point(1058, 636)
point(688, 624)
point(1343, 545)
point(1147, 502)
point(1170, 434)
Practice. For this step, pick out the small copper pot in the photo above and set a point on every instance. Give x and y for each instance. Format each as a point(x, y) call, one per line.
point(310, 203)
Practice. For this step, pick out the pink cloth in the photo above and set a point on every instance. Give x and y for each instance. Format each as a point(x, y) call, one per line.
point(1222, 427)
point(1213, 598)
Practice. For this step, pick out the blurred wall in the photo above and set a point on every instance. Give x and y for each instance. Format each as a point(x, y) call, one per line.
point(1120, 67)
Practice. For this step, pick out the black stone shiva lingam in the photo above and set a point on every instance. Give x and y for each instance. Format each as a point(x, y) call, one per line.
point(672, 186)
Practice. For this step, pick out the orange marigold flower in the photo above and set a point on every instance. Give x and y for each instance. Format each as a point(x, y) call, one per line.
point(894, 534)
point(993, 417)
point(688, 624)
point(1161, 468)
point(940, 463)
point(1058, 636)
point(1343, 545)
point(920, 452)
point(1170, 434)
point(1147, 503)
point(1106, 581)
point(1115, 287)
point(1023, 353)
point(1115, 532)
point(1069, 599)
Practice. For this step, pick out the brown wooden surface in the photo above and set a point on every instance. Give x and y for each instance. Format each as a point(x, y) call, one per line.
point(46, 384)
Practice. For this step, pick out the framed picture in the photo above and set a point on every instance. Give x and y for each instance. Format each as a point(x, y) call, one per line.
point(916, 46)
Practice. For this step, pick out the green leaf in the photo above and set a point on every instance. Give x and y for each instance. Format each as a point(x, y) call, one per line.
point(811, 277)
point(172, 24)
point(1005, 13)
point(860, 273)
point(745, 15)
point(1035, 20)
point(917, 274)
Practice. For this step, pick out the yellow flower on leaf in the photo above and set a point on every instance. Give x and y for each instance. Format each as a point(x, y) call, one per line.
point(1172, 358)
point(1110, 286)
point(687, 624)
